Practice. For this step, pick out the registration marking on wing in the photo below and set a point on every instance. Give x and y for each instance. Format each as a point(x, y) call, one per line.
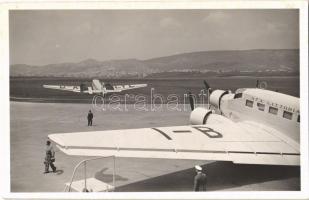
point(182, 131)
point(208, 131)
point(162, 133)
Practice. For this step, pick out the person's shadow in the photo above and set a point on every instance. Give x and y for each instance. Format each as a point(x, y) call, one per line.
point(59, 172)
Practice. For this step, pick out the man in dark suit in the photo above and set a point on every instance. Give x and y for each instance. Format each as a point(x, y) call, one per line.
point(90, 117)
point(49, 158)
point(200, 179)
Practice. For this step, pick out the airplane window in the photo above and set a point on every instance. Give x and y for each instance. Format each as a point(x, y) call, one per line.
point(273, 110)
point(261, 106)
point(238, 95)
point(249, 103)
point(287, 115)
point(298, 118)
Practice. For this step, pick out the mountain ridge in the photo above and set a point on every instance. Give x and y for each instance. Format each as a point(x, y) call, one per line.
point(255, 60)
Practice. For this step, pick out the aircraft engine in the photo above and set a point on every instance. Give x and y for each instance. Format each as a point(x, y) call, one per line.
point(202, 115)
point(216, 96)
point(199, 116)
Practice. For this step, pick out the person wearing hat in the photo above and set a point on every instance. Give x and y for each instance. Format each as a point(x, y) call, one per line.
point(49, 157)
point(90, 117)
point(200, 179)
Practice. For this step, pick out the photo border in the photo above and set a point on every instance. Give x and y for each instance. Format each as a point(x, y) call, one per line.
point(5, 184)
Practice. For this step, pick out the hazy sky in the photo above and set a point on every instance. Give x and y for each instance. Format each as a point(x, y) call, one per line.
point(45, 37)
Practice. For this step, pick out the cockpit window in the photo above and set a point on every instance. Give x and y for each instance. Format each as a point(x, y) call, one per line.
point(238, 95)
point(298, 118)
point(261, 106)
point(249, 103)
point(273, 110)
point(287, 115)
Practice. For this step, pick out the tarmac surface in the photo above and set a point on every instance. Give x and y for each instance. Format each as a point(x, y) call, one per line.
point(32, 122)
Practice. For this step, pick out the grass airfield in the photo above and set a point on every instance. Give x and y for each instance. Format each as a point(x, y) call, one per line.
point(32, 122)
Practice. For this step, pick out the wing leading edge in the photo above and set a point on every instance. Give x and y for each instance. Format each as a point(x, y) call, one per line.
point(204, 142)
point(116, 89)
point(120, 88)
point(65, 88)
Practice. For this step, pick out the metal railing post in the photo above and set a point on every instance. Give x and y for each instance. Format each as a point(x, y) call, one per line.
point(85, 171)
point(84, 161)
point(114, 168)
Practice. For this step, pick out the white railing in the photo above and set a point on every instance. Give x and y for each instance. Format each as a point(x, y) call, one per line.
point(85, 171)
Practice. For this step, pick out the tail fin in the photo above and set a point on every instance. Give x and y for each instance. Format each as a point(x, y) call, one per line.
point(257, 85)
point(96, 85)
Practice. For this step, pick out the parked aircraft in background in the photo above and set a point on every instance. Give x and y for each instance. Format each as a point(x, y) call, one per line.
point(98, 87)
point(250, 126)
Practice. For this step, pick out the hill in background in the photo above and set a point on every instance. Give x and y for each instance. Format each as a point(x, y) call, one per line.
point(248, 62)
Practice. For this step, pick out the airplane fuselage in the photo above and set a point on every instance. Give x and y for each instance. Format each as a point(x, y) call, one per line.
point(268, 109)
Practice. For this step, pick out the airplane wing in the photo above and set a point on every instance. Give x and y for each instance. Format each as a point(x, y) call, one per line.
point(239, 144)
point(120, 88)
point(65, 88)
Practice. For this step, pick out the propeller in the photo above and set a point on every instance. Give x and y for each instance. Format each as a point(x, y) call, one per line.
point(190, 96)
point(191, 100)
point(208, 88)
point(257, 84)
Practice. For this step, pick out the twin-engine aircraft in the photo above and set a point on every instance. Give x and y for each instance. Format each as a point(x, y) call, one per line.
point(98, 87)
point(250, 126)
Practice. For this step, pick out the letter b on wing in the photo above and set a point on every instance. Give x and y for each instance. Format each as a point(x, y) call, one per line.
point(209, 132)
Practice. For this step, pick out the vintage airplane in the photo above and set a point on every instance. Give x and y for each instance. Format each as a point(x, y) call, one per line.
point(250, 126)
point(98, 87)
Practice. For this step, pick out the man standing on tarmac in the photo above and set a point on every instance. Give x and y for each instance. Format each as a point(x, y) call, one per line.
point(90, 117)
point(200, 179)
point(49, 158)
